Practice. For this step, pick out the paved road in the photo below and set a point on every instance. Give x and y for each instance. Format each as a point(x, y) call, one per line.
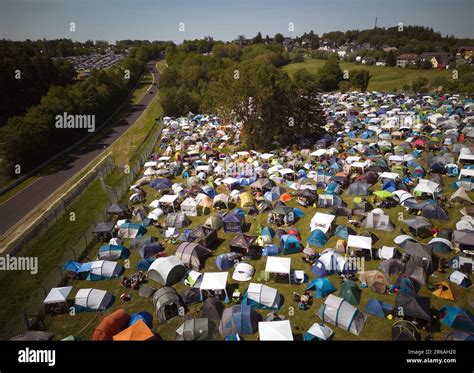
point(17, 207)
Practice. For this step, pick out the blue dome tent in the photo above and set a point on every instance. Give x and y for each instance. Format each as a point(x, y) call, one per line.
point(113, 252)
point(317, 238)
point(290, 244)
point(270, 250)
point(146, 317)
point(241, 319)
point(457, 318)
point(144, 264)
point(407, 286)
point(322, 287)
point(343, 232)
point(267, 231)
point(378, 308)
point(226, 261)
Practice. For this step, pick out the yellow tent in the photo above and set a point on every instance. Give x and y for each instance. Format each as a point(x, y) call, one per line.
point(137, 332)
point(443, 291)
point(246, 200)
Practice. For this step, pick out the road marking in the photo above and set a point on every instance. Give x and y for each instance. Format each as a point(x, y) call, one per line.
point(14, 195)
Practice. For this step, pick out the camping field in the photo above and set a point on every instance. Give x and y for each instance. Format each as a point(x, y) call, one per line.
point(384, 78)
point(83, 324)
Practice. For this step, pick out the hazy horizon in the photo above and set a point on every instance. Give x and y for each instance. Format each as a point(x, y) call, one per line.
point(113, 20)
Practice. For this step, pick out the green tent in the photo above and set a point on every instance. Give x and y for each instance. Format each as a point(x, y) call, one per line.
point(383, 194)
point(350, 292)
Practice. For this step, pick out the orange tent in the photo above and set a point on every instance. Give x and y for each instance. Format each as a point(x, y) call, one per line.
point(443, 291)
point(137, 332)
point(285, 197)
point(111, 325)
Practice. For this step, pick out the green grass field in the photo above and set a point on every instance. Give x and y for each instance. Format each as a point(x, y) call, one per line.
point(384, 79)
point(375, 328)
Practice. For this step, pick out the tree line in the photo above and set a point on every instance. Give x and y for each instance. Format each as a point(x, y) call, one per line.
point(26, 74)
point(243, 85)
point(30, 139)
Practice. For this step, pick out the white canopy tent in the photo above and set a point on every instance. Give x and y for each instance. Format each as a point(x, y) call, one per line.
point(359, 243)
point(58, 295)
point(215, 281)
point(279, 266)
point(427, 186)
point(322, 222)
point(389, 175)
point(275, 330)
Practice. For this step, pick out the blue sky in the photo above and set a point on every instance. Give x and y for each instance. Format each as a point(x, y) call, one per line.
point(159, 19)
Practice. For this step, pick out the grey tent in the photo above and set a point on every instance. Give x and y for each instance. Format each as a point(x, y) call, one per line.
point(363, 206)
point(461, 196)
point(377, 221)
point(203, 236)
point(329, 200)
point(415, 308)
point(418, 249)
point(117, 209)
point(104, 231)
point(340, 313)
point(191, 296)
point(262, 184)
point(191, 254)
point(391, 267)
point(140, 213)
point(434, 211)
point(177, 220)
point(464, 239)
point(212, 309)
point(358, 189)
point(417, 223)
point(168, 304)
point(417, 269)
point(195, 330)
point(138, 242)
point(241, 319)
point(213, 222)
point(166, 270)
